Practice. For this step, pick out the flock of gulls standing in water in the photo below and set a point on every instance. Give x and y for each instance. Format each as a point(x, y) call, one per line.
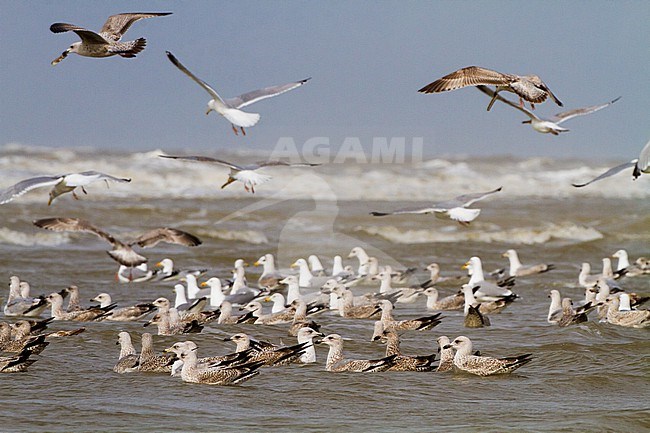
point(300, 297)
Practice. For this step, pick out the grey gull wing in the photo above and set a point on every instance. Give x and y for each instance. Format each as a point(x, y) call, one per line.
point(267, 92)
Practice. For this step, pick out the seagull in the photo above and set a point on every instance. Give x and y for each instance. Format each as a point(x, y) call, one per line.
point(640, 164)
point(62, 184)
point(483, 365)
point(122, 253)
point(454, 209)
point(528, 87)
point(106, 43)
point(245, 174)
point(550, 125)
point(229, 108)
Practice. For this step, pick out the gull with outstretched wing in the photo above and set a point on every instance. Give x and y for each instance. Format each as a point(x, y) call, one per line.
point(106, 43)
point(230, 108)
point(61, 184)
point(246, 174)
point(454, 209)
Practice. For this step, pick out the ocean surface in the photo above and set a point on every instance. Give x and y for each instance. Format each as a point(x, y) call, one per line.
point(590, 377)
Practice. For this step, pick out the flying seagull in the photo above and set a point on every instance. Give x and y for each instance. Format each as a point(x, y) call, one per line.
point(550, 125)
point(62, 184)
point(106, 43)
point(245, 174)
point(122, 252)
point(229, 108)
point(640, 164)
point(529, 87)
point(454, 209)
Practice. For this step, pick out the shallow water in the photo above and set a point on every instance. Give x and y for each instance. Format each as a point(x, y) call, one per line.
point(591, 377)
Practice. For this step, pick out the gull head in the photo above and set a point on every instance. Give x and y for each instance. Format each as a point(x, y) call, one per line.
point(74, 48)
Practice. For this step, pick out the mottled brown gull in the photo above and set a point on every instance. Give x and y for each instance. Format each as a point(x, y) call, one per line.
point(528, 87)
point(337, 363)
point(483, 365)
point(106, 43)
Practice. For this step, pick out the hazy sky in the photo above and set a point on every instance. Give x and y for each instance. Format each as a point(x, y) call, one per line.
point(367, 59)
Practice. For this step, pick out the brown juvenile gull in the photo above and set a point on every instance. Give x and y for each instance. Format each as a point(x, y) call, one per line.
point(229, 108)
point(552, 124)
point(88, 315)
point(60, 184)
point(337, 363)
point(33, 344)
point(571, 316)
point(419, 324)
point(300, 318)
point(106, 43)
point(517, 269)
point(483, 365)
point(128, 360)
point(632, 318)
point(452, 302)
point(446, 362)
point(123, 314)
point(194, 372)
point(246, 174)
point(266, 354)
point(402, 362)
point(16, 364)
point(122, 252)
point(640, 164)
point(528, 87)
point(150, 362)
point(454, 209)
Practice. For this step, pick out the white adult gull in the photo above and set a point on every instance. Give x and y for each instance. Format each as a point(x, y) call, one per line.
point(61, 184)
point(640, 164)
point(106, 43)
point(454, 209)
point(552, 124)
point(246, 174)
point(528, 87)
point(122, 252)
point(230, 108)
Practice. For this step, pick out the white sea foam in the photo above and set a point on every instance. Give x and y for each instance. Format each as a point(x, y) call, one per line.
point(426, 181)
point(12, 237)
point(249, 236)
point(566, 232)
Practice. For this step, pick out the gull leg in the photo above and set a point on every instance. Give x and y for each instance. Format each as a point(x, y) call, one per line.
point(242, 130)
point(494, 98)
point(253, 189)
point(234, 128)
point(84, 190)
point(75, 195)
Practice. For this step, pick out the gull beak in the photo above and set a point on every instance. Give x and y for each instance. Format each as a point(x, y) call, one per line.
point(294, 265)
point(526, 121)
point(465, 266)
point(169, 349)
point(256, 263)
point(267, 299)
point(228, 182)
point(504, 255)
point(245, 264)
point(447, 346)
point(159, 264)
point(61, 57)
point(203, 284)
